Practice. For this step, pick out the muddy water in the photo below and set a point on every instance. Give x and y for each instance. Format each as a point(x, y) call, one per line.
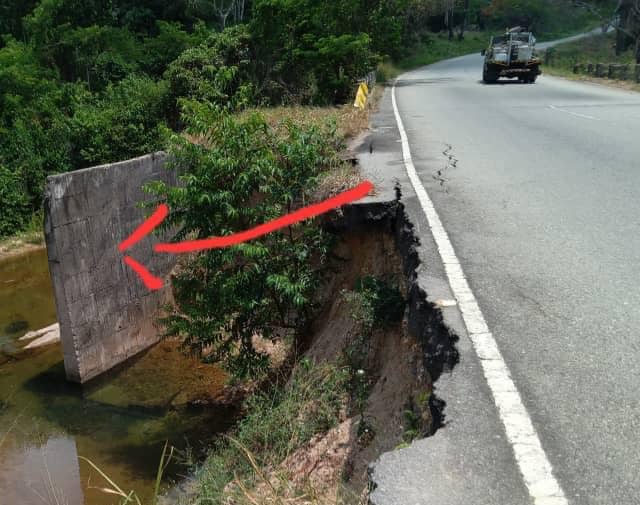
point(119, 422)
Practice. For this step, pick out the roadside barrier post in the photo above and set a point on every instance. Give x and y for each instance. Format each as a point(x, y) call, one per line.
point(624, 72)
point(364, 87)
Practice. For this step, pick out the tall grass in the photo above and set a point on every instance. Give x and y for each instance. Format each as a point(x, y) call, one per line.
point(131, 497)
point(277, 423)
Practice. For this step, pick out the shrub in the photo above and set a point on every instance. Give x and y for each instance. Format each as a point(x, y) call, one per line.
point(237, 173)
point(317, 55)
point(216, 71)
point(122, 123)
point(14, 202)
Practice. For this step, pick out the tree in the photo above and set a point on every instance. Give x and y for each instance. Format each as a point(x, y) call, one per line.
point(219, 70)
point(123, 122)
point(625, 17)
point(240, 173)
point(222, 10)
point(465, 18)
point(628, 27)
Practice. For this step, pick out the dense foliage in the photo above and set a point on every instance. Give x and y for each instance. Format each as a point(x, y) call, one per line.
point(237, 172)
point(92, 81)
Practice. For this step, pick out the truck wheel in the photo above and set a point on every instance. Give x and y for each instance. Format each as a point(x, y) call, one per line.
point(489, 77)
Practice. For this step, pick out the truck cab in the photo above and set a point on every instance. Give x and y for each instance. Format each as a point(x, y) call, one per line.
point(511, 55)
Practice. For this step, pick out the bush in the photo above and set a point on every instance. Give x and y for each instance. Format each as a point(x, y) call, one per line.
point(545, 17)
point(217, 71)
point(124, 122)
point(169, 43)
point(237, 173)
point(317, 55)
point(14, 202)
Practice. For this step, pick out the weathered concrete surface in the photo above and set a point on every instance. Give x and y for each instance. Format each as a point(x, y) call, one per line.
point(106, 314)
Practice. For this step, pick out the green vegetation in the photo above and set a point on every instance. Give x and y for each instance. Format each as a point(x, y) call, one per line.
point(316, 398)
point(92, 82)
point(597, 49)
point(226, 297)
point(436, 47)
point(603, 48)
point(276, 424)
point(549, 19)
point(417, 418)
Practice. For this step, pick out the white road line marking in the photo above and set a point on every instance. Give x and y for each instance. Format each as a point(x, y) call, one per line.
point(532, 461)
point(584, 116)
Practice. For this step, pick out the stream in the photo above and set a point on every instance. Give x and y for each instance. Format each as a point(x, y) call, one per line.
point(120, 422)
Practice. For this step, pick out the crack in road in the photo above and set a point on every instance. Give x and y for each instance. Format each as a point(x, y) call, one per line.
point(452, 162)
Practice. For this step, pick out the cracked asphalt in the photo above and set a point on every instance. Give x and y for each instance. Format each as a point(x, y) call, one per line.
point(543, 210)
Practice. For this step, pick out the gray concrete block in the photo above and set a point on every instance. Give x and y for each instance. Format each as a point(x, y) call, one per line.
point(106, 313)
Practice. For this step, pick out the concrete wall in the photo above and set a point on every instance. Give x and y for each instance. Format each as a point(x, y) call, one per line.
point(106, 314)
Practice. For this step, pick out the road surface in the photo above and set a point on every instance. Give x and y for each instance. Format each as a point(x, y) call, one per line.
point(538, 187)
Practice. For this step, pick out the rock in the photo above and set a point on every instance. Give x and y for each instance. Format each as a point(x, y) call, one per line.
point(38, 333)
point(45, 336)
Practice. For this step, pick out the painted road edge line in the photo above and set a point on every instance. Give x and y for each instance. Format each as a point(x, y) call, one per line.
point(583, 116)
point(533, 463)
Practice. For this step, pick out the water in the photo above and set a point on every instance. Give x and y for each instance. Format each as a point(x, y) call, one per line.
point(119, 422)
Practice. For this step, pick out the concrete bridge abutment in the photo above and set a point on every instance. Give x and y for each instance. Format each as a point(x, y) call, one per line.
point(106, 314)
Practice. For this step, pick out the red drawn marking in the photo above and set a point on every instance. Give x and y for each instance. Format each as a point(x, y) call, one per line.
point(152, 282)
point(145, 228)
point(344, 198)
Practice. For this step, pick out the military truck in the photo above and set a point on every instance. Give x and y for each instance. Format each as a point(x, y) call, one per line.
point(511, 55)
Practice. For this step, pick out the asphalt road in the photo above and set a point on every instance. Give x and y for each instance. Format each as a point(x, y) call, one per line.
point(539, 190)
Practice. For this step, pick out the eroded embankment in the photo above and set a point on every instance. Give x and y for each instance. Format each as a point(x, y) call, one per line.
point(367, 367)
point(401, 361)
point(424, 319)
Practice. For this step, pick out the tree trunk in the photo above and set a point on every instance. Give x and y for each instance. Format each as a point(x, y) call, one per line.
point(626, 25)
point(465, 17)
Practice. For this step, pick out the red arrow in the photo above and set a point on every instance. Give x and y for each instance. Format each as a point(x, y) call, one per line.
point(153, 283)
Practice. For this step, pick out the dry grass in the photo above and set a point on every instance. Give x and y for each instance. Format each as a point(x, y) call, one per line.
point(20, 244)
point(281, 487)
point(29, 239)
point(349, 120)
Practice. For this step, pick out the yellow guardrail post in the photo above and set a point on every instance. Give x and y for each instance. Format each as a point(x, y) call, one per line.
point(361, 96)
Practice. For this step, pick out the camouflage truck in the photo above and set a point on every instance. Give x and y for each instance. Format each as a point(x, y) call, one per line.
point(511, 55)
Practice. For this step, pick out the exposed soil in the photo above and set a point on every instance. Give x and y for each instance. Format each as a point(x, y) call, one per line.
point(334, 465)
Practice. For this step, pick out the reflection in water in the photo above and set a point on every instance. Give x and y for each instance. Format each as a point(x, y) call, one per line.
point(119, 422)
point(47, 473)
